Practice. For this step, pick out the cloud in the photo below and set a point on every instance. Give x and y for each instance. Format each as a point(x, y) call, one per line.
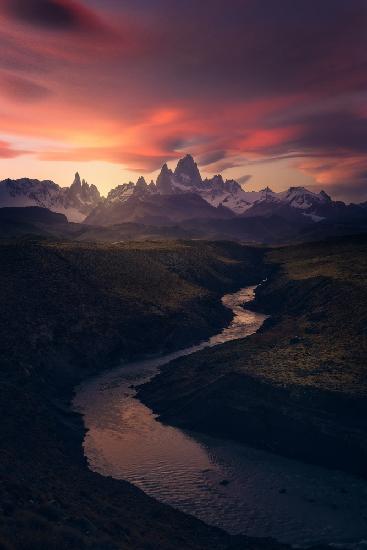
point(347, 192)
point(138, 162)
point(211, 157)
point(139, 83)
point(344, 176)
point(337, 131)
point(244, 179)
point(64, 15)
point(7, 152)
point(22, 89)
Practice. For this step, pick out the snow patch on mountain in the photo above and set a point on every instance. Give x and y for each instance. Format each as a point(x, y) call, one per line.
point(80, 199)
point(299, 197)
point(228, 193)
point(75, 201)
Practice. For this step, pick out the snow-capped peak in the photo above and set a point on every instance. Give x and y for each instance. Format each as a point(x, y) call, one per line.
point(300, 197)
point(80, 198)
point(75, 201)
point(186, 178)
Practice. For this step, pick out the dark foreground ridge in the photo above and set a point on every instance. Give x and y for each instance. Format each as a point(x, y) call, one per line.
point(298, 387)
point(68, 311)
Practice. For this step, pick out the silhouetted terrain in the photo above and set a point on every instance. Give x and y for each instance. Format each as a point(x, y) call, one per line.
point(272, 228)
point(299, 386)
point(70, 310)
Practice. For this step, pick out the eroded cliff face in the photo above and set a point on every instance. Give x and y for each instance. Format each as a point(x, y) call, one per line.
point(298, 387)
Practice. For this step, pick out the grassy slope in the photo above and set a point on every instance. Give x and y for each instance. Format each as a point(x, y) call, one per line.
point(69, 310)
point(299, 386)
point(91, 300)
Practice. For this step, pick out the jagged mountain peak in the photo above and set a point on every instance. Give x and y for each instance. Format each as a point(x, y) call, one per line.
point(141, 184)
point(187, 171)
point(75, 201)
point(165, 181)
point(77, 184)
point(184, 185)
point(325, 196)
point(217, 179)
point(300, 197)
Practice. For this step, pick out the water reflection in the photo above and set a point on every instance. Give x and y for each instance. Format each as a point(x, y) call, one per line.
point(226, 484)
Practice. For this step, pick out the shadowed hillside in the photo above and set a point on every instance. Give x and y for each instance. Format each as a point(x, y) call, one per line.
point(70, 310)
point(299, 386)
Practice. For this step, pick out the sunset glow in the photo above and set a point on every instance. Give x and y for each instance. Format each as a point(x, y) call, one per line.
point(274, 90)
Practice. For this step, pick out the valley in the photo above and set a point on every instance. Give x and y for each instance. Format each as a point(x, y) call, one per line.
point(226, 484)
point(297, 387)
point(183, 275)
point(72, 310)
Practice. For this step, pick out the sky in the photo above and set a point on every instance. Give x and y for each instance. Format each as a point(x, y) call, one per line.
point(267, 92)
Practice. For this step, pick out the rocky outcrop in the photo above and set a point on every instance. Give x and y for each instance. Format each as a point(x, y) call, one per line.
point(187, 172)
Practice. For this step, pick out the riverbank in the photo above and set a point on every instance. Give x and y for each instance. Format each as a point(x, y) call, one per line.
point(68, 311)
point(225, 484)
point(298, 387)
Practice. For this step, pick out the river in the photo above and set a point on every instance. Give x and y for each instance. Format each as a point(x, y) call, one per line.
point(233, 486)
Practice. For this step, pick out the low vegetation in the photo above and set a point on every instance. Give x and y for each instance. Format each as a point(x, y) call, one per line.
point(69, 310)
point(299, 386)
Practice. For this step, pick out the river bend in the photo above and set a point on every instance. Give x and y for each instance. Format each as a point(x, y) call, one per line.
point(229, 485)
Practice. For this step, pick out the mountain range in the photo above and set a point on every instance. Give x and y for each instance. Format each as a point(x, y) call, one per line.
point(214, 207)
point(76, 201)
point(183, 194)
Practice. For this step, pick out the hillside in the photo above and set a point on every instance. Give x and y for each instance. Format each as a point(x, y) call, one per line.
point(70, 310)
point(280, 226)
point(299, 386)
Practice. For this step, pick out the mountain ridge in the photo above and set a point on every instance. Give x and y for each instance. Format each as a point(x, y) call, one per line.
point(75, 201)
point(226, 198)
point(177, 195)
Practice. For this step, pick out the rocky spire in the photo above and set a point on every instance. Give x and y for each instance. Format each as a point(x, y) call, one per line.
point(217, 180)
point(187, 172)
point(94, 194)
point(141, 184)
point(165, 181)
point(81, 192)
point(76, 187)
point(77, 184)
point(84, 190)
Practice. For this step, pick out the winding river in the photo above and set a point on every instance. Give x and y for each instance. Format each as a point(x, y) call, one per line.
point(229, 485)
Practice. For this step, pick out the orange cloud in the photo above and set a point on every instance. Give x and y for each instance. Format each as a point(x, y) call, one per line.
point(339, 169)
point(265, 139)
point(7, 151)
point(117, 83)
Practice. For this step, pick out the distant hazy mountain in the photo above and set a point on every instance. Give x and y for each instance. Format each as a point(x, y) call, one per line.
point(151, 207)
point(75, 201)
